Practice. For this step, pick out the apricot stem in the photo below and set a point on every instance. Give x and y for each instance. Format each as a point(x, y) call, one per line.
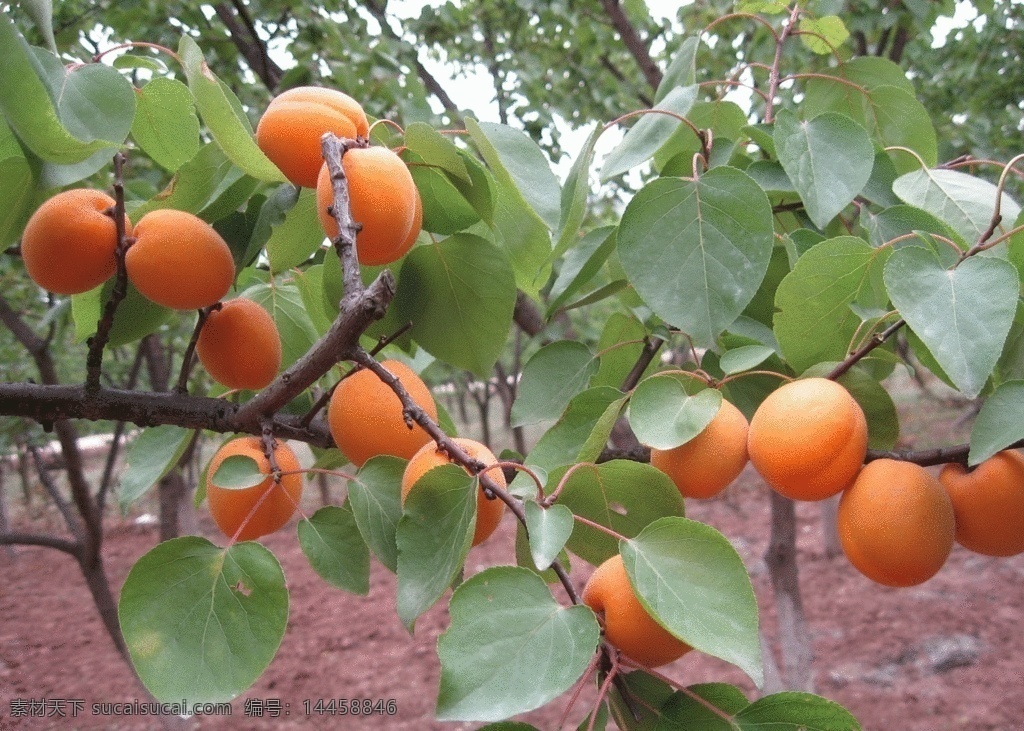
point(188, 360)
point(598, 526)
point(550, 499)
point(137, 44)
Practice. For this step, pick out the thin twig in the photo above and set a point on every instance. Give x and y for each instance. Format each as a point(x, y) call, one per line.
point(94, 360)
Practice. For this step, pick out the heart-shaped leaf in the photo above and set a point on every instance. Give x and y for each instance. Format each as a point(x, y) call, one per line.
point(828, 159)
point(664, 416)
point(962, 315)
point(549, 529)
point(999, 423)
point(202, 622)
point(510, 647)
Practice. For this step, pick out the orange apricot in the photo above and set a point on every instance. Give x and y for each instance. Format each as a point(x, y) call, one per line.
point(896, 523)
point(706, 464)
point(69, 243)
point(239, 345)
point(365, 415)
point(808, 439)
point(179, 260)
point(488, 511)
point(627, 625)
point(235, 511)
point(988, 503)
point(382, 200)
point(290, 129)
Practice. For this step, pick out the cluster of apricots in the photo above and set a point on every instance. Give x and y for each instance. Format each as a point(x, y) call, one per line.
point(382, 195)
point(897, 522)
point(808, 440)
point(174, 259)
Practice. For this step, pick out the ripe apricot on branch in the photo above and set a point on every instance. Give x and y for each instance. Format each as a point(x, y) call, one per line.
point(290, 129)
point(488, 512)
point(627, 625)
point(239, 345)
point(179, 261)
point(706, 464)
point(988, 503)
point(69, 243)
point(365, 415)
point(896, 523)
point(808, 439)
point(382, 199)
point(231, 508)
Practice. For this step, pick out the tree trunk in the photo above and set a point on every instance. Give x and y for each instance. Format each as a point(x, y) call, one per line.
point(25, 474)
point(172, 492)
point(794, 634)
point(5, 526)
point(830, 527)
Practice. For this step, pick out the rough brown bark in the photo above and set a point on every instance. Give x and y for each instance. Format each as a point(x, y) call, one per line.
point(633, 42)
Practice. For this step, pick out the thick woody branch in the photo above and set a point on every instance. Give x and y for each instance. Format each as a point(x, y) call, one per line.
point(47, 541)
point(50, 403)
point(359, 307)
point(633, 42)
point(243, 34)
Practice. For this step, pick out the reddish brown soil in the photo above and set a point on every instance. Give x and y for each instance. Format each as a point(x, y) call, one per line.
point(869, 640)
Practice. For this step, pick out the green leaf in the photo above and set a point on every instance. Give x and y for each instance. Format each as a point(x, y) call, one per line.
point(620, 345)
point(335, 549)
point(552, 376)
point(689, 577)
point(166, 126)
point(32, 112)
point(962, 316)
point(522, 234)
point(220, 111)
point(696, 251)
point(375, 494)
point(150, 456)
point(133, 61)
point(580, 434)
point(297, 237)
point(744, 358)
point(285, 305)
point(622, 495)
point(17, 187)
point(202, 622)
point(549, 529)
point(194, 183)
point(41, 12)
point(649, 133)
point(436, 150)
point(682, 70)
point(517, 162)
point(663, 415)
point(876, 94)
point(480, 192)
point(581, 264)
point(459, 295)
point(829, 159)
point(524, 555)
point(646, 696)
point(962, 201)
point(445, 209)
point(682, 712)
point(510, 647)
point(999, 422)
point(823, 35)
point(900, 220)
point(794, 711)
point(814, 321)
point(238, 472)
point(574, 196)
point(433, 537)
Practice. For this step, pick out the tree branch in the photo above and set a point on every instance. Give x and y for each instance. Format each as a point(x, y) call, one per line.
point(249, 44)
point(47, 541)
point(634, 43)
point(432, 84)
